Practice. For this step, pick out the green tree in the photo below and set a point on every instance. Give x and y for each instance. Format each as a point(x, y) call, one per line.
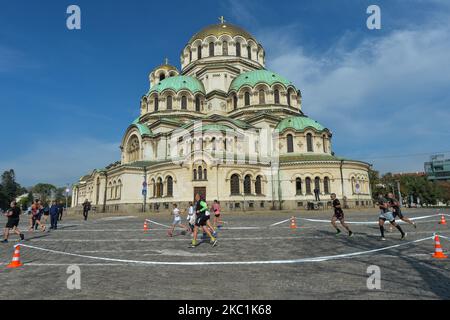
point(43, 191)
point(9, 188)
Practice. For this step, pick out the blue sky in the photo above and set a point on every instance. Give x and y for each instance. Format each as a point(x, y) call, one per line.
point(66, 97)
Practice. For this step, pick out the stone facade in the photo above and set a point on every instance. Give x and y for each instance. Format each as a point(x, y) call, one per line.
point(226, 127)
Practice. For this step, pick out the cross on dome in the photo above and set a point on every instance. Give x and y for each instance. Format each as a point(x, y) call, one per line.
point(222, 19)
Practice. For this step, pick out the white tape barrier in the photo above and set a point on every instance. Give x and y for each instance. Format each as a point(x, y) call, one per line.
point(374, 222)
point(157, 223)
point(294, 261)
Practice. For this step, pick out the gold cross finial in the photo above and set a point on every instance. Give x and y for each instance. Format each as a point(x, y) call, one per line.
point(166, 61)
point(222, 19)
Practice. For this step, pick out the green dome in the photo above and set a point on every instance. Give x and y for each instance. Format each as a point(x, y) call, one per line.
point(252, 78)
point(143, 129)
point(179, 83)
point(299, 123)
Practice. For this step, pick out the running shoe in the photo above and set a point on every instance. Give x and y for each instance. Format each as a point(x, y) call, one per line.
point(383, 239)
point(338, 231)
point(170, 234)
point(214, 234)
point(22, 237)
point(415, 225)
point(350, 234)
point(193, 244)
point(4, 241)
point(404, 236)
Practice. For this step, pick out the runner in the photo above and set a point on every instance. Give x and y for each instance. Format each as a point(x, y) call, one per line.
point(216, 209)
point(201, 221)
point(397, 212)
point(46, 213)
point(13, 215)
point(191, 217)
point(176, 220)
point(385, 214)
point(339, 215)
point(36, 213)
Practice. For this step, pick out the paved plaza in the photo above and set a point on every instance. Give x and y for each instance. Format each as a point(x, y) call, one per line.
point(256, 258)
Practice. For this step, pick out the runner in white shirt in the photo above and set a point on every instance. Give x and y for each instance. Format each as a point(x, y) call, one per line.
point(191, 217)
point(176, 220)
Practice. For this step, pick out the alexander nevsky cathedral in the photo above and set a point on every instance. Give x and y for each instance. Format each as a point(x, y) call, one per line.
point(224, 126)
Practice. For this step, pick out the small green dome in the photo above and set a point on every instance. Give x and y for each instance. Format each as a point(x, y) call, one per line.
point(299, 123)
point(143, 129)
point(179, 83)
point(252, 78)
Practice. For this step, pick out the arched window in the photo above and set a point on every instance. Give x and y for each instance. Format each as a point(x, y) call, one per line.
point(309, 142)
point(258, 186)
point(199, 52)
point(326, 185)
point(317, 183)
point(290, 143)
point(262, 97)
point(247, 98)
point(247, 184)
point(211, 49)
point(195, 174)
point(235, 102)
point(97, 197)
point(225, 48)
point(353, 185)
point(308, 185)
point(249, 52)
point(197, 104)
point(205, 174)
point(289, 97)
point(162, 76)
point(234, 184)
point(190, 55)
point(238, 49)
point(298, 186)
point(183, 102)
point(159, 188)
point(213, 144)
point(156, 103)
point(169, 102)
point(169, 186)
point(120, 189)
point(200, 173)
point(154, 187)
point(276, 96)
point(324, 143)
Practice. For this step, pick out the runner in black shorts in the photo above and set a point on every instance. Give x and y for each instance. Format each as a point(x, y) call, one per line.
point(397, 212)
point(201, 221)
point(13, 215)
point(339, 215)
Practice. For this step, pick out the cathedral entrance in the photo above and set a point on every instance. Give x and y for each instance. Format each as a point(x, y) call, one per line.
point(200, 190)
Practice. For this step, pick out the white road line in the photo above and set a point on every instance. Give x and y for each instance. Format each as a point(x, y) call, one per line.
point(293, 261)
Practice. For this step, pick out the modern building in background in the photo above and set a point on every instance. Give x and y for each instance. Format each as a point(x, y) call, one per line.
point(438, 168)
point(226, 127)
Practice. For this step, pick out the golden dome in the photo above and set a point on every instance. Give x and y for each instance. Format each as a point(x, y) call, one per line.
point(166, 66)
point(221, 29)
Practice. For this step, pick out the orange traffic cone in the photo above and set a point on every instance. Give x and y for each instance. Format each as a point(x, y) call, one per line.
point(145, 226)
point(442, 220)
point(293, 223)
point(15, 263)
point(438, 253)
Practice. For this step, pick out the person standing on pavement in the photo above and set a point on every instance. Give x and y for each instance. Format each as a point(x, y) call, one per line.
point(54, 210)
point(60, 210)
point(86, 209)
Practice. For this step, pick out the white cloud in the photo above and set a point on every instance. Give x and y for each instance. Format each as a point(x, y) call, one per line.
point(61, 161)
point(383, 95)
